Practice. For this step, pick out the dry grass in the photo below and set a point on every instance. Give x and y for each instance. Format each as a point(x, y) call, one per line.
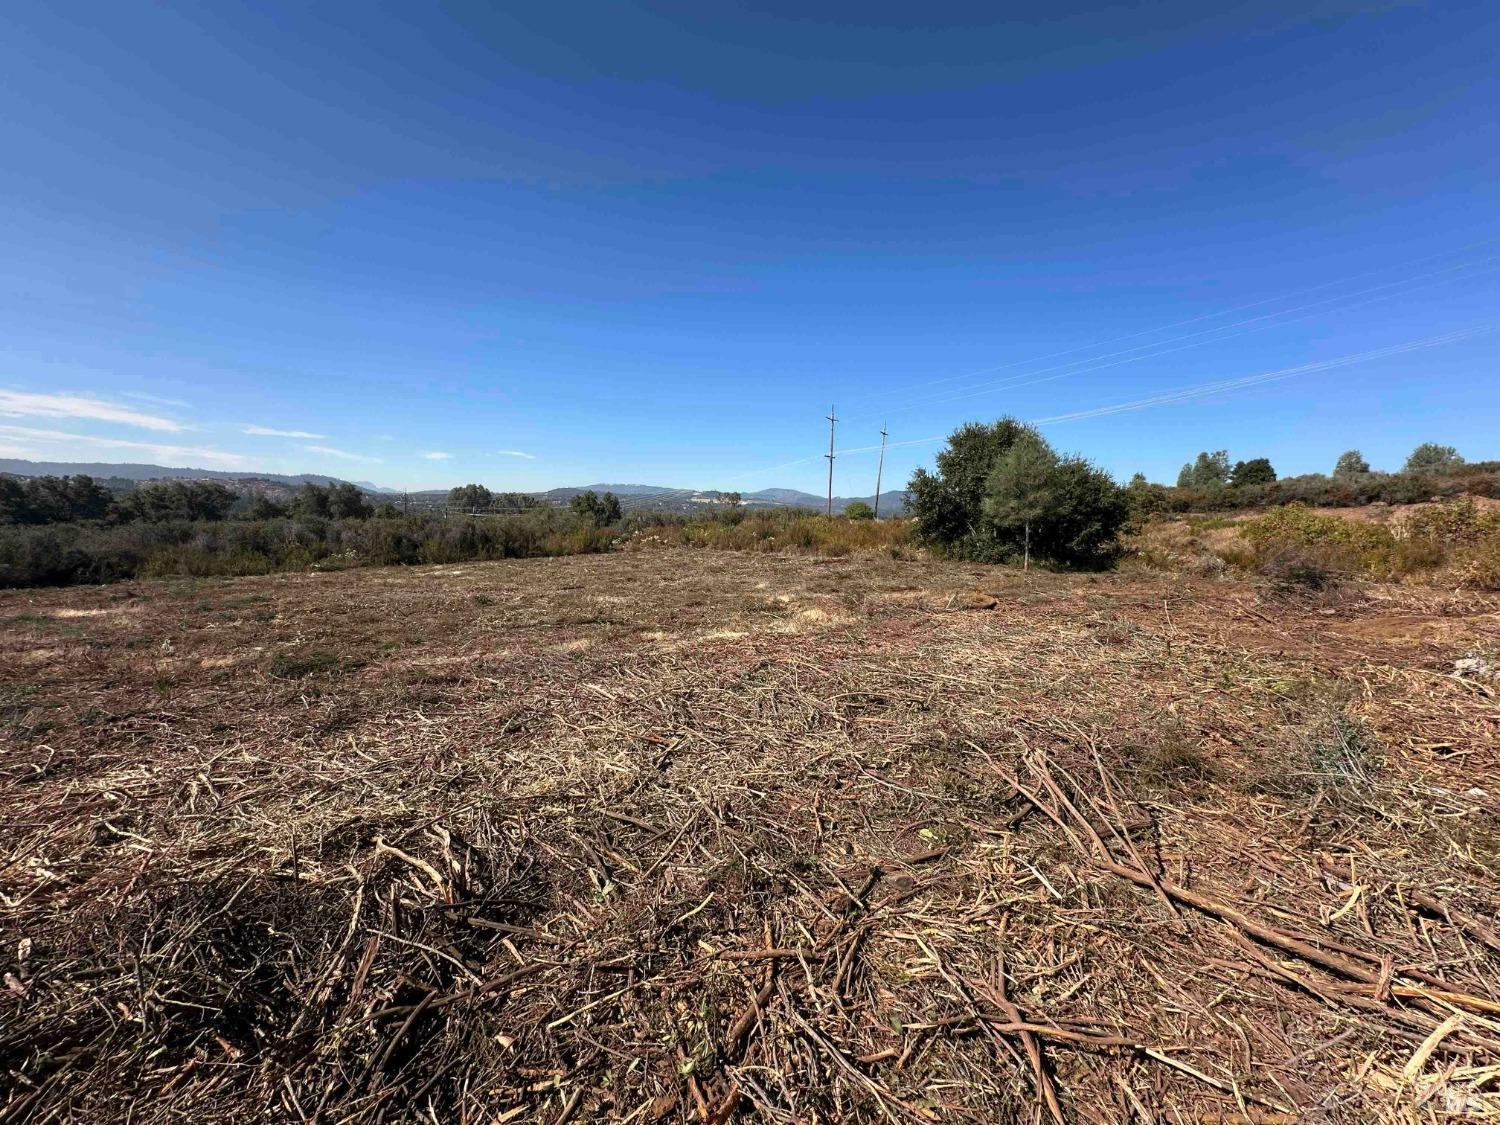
point(1455, 543)
point(697, 836)
point(786, 532)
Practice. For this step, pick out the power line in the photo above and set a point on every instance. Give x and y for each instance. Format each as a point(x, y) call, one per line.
point(1220, 313)
point(1206, 389)
point(1024, 379)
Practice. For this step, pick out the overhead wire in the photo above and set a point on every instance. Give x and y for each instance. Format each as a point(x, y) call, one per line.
point(1218, 333)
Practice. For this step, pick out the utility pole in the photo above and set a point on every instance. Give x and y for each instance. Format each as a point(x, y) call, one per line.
point(831, 421)
point(880, 470)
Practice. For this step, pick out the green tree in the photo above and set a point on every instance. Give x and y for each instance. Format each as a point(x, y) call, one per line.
point(163, 501)
point(311, 500)
point(600, 511)
point(470, 498)
point(859, 510)
point(1145, 499)
point(995, 519)
point(1208, 470)
point(1351, 463)
point(1258, 471)
point(1429, 457)
point(14, 507)
point(262, 507)
point(733, 499)
point(515, 502)
point(385, 510)
point(612, 511)
point(347, 502)
point(947, 504)
point(55, 499)
point(1020, 491)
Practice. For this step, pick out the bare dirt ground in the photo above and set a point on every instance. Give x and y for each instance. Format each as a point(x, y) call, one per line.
point(698, 836)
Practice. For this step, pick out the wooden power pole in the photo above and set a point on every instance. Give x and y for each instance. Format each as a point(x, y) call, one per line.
point(831, 421)
point(880, 470)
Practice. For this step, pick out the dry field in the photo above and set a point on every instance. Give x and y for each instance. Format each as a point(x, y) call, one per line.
point(702, 836)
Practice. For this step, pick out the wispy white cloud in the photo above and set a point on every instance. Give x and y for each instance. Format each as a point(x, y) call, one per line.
point(58, 445)
point(139, 397)
point(514, 453)
point(18, 404)
point(437, 455)
point(267, 431)
point(341, 453)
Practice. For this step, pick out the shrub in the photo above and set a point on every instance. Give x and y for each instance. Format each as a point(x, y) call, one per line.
point(1295, 540)
point(67, 554)
point(1457, 533)
point(1481, 571)
point(859, 510)
point(780, 530)
point(1294, 567)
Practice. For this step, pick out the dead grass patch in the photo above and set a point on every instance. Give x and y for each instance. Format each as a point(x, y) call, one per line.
point(1121, 844)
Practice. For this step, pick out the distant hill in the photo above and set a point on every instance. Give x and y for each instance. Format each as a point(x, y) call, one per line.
point(891, 503)
point(633, 497)
point(19, 468)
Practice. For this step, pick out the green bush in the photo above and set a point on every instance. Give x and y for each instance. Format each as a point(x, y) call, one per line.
point(1429, 457)
point(70, 554)
point(1002, 493)
point(1458, 534)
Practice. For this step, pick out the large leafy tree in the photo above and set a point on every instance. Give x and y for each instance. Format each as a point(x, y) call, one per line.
point(161, 501)
point(1257, 471)
point(600, 511)
point(1351, 463)
point(1208, 470)
point(948, 504)
point(1429, 457)
point(346, 501)
point(470, 497)
point(338, 501)
point(1021, 490)
point(1001, 492)
point(53, 499)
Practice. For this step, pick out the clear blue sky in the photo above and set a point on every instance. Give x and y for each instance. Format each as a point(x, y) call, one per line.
point(653, 242)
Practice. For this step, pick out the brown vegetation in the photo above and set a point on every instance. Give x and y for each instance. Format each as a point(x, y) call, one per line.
point(1454, 544)
point(671, 835)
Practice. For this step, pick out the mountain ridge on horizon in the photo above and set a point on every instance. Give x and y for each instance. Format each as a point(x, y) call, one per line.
point(891, 500)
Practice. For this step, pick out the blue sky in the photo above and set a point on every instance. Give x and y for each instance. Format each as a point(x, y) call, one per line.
point(546, 244)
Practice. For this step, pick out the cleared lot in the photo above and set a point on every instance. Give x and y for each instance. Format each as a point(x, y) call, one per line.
point(673, 835)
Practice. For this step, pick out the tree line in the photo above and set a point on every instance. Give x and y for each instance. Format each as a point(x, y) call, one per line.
point(1211, 483)
point(82, 499)
point(1212, 470)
